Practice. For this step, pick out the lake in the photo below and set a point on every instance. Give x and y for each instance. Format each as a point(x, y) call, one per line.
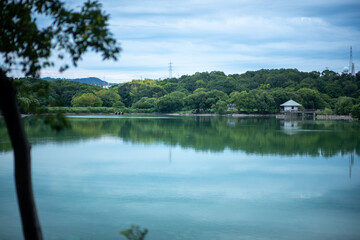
point(198, 178)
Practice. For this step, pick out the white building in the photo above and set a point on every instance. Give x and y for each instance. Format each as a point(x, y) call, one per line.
point(290, 106)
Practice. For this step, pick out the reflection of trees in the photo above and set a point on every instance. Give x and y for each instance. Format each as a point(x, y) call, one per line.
point(252, 135)
point(351, 163)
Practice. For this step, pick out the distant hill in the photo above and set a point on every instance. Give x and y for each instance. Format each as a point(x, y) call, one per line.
point(89, 80)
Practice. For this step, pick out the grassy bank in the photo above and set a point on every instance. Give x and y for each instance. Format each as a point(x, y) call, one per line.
point(78, 110)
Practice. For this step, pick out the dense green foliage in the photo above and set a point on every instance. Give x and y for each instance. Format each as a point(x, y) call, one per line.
point(344, 105)
point(252, 92)
point(355, 111)
point(35, 92)
point(87, 100)
point(64, 91)
point(109, 98)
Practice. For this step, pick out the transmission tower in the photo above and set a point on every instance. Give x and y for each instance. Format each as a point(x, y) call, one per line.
point(351, 64)
point(170, 69)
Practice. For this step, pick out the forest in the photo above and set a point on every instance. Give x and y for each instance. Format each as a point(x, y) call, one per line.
point(259, 91)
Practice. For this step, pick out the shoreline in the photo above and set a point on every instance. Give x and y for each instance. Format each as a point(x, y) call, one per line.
point(278, 116)
point(220, 115)
point(334, 117)
point(239, 115)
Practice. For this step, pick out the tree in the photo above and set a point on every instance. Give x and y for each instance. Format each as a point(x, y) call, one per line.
point(170, 87)
point(124, 92)
point(200, 84)
point(333, 90)
point(344, 106)
point(242, 100)
point(263, 101)
point(311, 99)
point(24, 44)
point(64, 91)
point(196, 101)
point(145, 103)
point(282, 95)
point(171, 102)
point(355, 111)
point(350, 89)
point(87, 100)
point(109, 97)
point(220, 107)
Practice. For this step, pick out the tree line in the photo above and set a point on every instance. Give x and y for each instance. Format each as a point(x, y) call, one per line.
point(259, 91)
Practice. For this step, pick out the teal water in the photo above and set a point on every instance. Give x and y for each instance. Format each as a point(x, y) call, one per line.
point(189, 178)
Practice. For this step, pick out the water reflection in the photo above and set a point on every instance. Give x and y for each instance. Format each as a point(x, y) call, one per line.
point(190, 178)
point(105, 184)
point(290, 127)
point(252, 135)
point(351, 163)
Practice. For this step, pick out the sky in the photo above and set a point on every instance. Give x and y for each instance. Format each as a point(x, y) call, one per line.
point(227, 35)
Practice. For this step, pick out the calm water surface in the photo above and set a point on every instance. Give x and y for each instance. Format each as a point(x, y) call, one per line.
point(195, 178)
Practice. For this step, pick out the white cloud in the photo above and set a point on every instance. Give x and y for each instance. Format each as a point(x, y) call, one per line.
point(228, 36)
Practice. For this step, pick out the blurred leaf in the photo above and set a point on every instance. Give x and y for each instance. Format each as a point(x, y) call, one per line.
point(134, 233)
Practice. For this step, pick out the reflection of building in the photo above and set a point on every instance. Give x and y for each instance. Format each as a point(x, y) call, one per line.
point(290, 106)
point(290, 127)
point(231, 123)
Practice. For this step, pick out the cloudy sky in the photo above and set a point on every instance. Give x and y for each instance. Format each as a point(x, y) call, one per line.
point(232, 36)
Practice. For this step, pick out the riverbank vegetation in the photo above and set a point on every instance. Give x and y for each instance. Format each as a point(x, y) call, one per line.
point(259, 91)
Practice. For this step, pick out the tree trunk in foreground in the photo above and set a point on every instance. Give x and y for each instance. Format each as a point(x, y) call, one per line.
point(30, 222)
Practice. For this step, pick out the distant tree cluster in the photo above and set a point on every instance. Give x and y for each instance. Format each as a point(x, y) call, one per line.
point(252, 92)
point(35, 92)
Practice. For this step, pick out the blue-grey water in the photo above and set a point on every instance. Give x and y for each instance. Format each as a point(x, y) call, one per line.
point(189, 178)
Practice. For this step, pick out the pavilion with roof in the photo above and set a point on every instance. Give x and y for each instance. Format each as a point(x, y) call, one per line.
point(290, 109)
point(290, 106)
